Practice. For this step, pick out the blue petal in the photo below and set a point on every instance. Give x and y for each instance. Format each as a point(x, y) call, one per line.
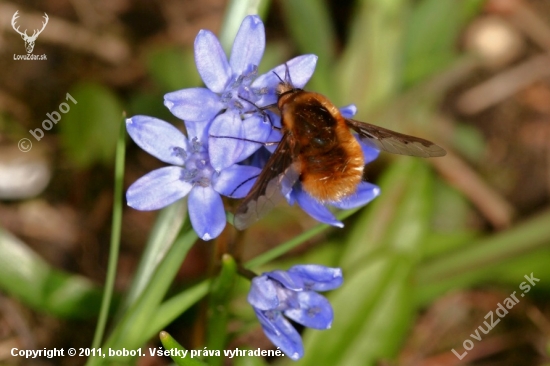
point(236, 180)
point(314, 312)
point(248, 47)
point(365, 193)
point(281, 333)
point(206, 212)
point(242, 138)
point(314, 208)
point(226, 143)
point(259, 158)
point(193, 104)
point(288, 279)
point(157, 189)
point(348, 111)
point(158, 138)
point(369, 152)
point(257, 131)
point(301, 69)
point(211, 61)
point(263, 293)
point(198, 129)
point(317, 277)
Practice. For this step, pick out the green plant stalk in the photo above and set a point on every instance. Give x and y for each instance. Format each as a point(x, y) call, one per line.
point(294, 242)
point(218, 313)
point(115, 237)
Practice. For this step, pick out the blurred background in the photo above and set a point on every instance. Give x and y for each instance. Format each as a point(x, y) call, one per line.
point(446, 242)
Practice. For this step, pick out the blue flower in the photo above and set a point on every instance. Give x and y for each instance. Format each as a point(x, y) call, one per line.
point(292, 294)
point(233, 93)
point(190, 174)
point(365, 193)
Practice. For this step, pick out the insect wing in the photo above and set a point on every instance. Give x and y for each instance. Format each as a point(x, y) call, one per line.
point(273, 184)
point(395, 142)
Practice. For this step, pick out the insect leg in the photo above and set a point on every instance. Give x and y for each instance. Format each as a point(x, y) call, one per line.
point(247, 140)
point(243, 183)
point(287, 79)
point(262, 111)
point(287, 75)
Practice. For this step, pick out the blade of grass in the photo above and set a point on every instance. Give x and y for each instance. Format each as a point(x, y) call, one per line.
point(114, 247)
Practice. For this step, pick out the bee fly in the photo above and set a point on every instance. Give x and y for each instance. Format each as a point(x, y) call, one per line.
point(319, 150)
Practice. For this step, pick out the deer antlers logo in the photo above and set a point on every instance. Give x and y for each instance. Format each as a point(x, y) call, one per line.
point(29, 40)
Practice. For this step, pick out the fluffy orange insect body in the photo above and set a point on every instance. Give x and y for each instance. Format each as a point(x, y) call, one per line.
point(329, 158)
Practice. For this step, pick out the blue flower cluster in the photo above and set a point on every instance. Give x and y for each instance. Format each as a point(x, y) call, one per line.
point(204, 166)
point(292, 293)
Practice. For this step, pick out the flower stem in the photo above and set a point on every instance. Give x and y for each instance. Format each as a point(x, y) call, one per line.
point(245, 272)
point(294, 242)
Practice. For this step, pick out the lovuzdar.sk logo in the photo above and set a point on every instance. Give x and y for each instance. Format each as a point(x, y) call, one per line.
point(29, 40)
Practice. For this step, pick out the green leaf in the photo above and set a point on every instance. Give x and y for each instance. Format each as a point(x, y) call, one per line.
point(27, 277)
point(89, 130)
point(176, 349)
